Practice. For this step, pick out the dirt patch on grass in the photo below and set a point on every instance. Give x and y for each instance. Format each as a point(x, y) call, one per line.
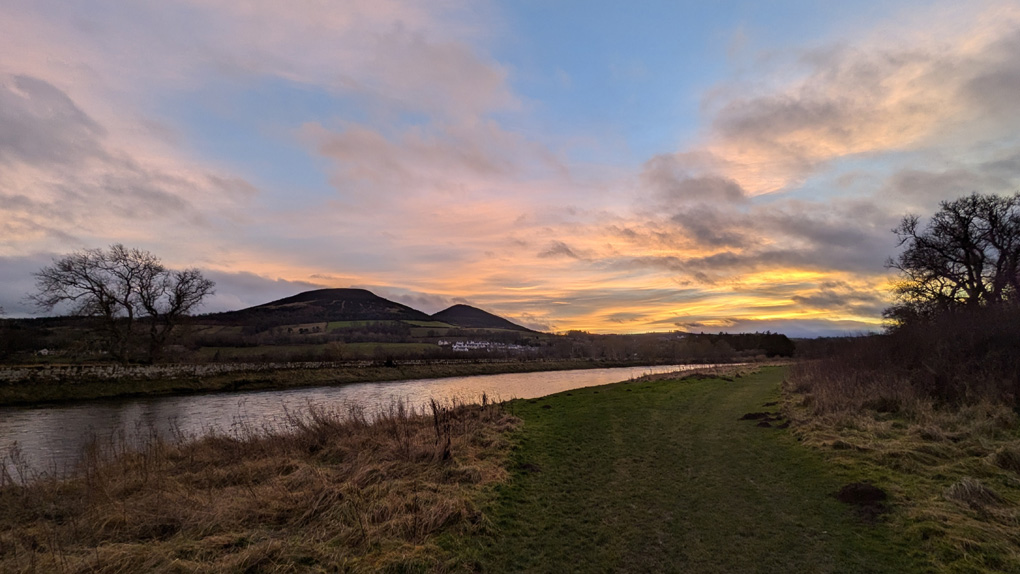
point(766, 419)
point(867, 499)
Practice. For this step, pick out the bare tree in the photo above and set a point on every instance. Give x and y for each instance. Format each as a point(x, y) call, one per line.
point(968, 256)
point(122, 287)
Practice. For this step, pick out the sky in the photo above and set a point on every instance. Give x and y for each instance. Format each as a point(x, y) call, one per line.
point(614, 167)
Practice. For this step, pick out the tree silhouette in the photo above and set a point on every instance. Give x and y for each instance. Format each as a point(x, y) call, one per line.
point(122, 287)
point(967, 256)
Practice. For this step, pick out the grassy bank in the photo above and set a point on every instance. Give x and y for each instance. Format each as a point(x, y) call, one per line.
point(954, 469)
point(35, 392)
point(653, 475)
point(661, 476)
point(335, 495)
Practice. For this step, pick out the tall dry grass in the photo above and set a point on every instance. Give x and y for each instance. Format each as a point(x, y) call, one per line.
point(961, 358)
point(928, 413)
point(337, 492)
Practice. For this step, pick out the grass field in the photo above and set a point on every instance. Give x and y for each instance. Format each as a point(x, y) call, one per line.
point(662, 477)
point(430, 324)
point(334, 325)
point(286, 352)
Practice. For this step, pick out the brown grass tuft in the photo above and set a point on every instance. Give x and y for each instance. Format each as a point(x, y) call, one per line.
point(336, 492)
point(970, 492)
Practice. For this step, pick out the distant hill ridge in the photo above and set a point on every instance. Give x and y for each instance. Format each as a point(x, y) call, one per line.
point(324, 305)
point(474, 318)
point(354, 305)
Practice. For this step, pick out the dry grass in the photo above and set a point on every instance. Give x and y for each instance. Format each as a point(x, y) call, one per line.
point(337, 493)
point(952, 471)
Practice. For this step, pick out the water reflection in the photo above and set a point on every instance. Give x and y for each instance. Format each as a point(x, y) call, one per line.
point(51, 438)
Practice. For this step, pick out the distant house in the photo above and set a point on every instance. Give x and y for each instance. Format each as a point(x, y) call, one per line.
point(488, 346)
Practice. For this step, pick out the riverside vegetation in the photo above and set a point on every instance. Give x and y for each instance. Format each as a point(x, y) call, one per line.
point(336, 492)
point(722, 472)
point(929, 413)
point(645, 475)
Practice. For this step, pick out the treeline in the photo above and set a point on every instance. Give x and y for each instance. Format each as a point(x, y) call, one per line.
point(675, 347)
point(71, 340)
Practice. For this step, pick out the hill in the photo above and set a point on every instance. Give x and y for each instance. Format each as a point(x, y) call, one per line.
point(321, 305)
point(470, 317)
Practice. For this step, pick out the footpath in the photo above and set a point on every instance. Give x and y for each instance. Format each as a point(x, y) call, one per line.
point(673, 476)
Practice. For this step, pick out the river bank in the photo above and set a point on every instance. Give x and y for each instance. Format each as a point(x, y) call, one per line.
point(42, 385)
point(643, 475)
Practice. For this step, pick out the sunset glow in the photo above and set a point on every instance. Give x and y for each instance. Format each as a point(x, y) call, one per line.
point(568, 165)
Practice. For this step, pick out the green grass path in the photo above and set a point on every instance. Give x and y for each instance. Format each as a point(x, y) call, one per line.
point(662, 477)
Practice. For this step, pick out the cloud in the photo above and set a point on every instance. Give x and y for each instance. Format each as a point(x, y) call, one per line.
point(995, 76)
point(676, 179)
point(242, 290)
point(392, 55)
point(559, 249)
point(425, 302)
point(40, 124)
point(884, 92)
point(454, 161)
point(67, 181)
point(842, 296)
point(17, 283)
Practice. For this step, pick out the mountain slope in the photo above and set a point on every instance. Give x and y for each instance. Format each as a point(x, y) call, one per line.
point(322, 305)
point(474, 318)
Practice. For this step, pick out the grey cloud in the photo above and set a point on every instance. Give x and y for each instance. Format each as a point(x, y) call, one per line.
point(856, 99)
point(998, 175)
point(859, 227)
point(559, 249)
point(40, 124)
point(533, 321)
point(425, 302)
point(672, 180)
point(839, 295)
point(997, 82)
point(691, 326)
point(457, 158)
point(844, 236)
point(761, 118)
point(711, 228)
point(232, 185)
point(87, 180)
point(17, 283)
point(1005, 167)
point(241, 290)
point(625, 317)
point(936, 185)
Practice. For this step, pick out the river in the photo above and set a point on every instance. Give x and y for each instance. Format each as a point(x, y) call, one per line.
point(49, 439)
